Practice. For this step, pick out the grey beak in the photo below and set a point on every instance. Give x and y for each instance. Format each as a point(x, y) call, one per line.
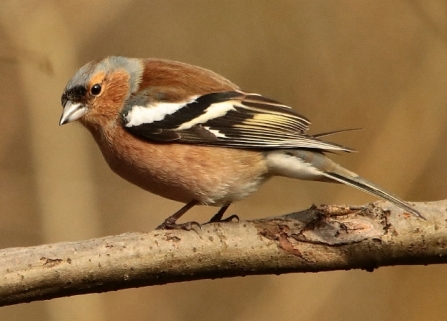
point(72, 112)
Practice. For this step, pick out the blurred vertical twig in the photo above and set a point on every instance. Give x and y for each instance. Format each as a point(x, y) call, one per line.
point(64, 187)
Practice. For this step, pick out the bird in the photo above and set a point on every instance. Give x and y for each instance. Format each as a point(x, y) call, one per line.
point(188, 134)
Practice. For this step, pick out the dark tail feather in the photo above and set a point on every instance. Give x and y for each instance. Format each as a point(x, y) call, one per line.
point(344, 176)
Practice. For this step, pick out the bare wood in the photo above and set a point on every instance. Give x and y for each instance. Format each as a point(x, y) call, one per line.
point(318, 239)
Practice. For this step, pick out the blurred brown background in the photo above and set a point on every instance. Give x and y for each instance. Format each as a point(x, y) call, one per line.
point(379, 65)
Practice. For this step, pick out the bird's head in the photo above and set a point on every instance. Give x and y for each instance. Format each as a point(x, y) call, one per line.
point(99, 89)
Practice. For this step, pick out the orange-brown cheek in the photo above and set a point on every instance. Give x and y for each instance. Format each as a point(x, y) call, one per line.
point(96, 79)
point(115, 92)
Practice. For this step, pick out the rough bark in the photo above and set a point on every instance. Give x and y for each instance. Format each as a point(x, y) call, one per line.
point(318, 239)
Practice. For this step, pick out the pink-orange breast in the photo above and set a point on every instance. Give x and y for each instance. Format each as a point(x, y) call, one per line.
point(210, 175)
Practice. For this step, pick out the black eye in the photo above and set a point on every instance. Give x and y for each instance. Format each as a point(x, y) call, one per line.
point(96, 89)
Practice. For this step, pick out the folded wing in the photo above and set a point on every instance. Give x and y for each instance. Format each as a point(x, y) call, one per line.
point(228, 119)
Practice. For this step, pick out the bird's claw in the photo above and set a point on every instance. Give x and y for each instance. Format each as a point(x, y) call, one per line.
point(217, 219)
point(188, 226)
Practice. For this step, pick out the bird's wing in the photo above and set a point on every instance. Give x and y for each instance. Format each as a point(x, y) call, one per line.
point(228, 119)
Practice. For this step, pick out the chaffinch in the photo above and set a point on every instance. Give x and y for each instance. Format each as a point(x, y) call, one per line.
point(190, 135)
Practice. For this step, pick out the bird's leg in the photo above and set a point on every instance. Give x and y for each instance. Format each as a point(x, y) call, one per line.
point(218, 216)
point(170, 222)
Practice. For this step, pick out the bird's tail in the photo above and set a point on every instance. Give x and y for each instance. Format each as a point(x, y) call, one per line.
point(342, 175)
point(314, 165)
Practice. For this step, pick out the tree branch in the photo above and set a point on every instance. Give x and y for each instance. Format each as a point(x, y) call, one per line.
point(318, 239)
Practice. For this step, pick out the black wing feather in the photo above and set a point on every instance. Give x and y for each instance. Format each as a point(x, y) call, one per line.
point(233, 119)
